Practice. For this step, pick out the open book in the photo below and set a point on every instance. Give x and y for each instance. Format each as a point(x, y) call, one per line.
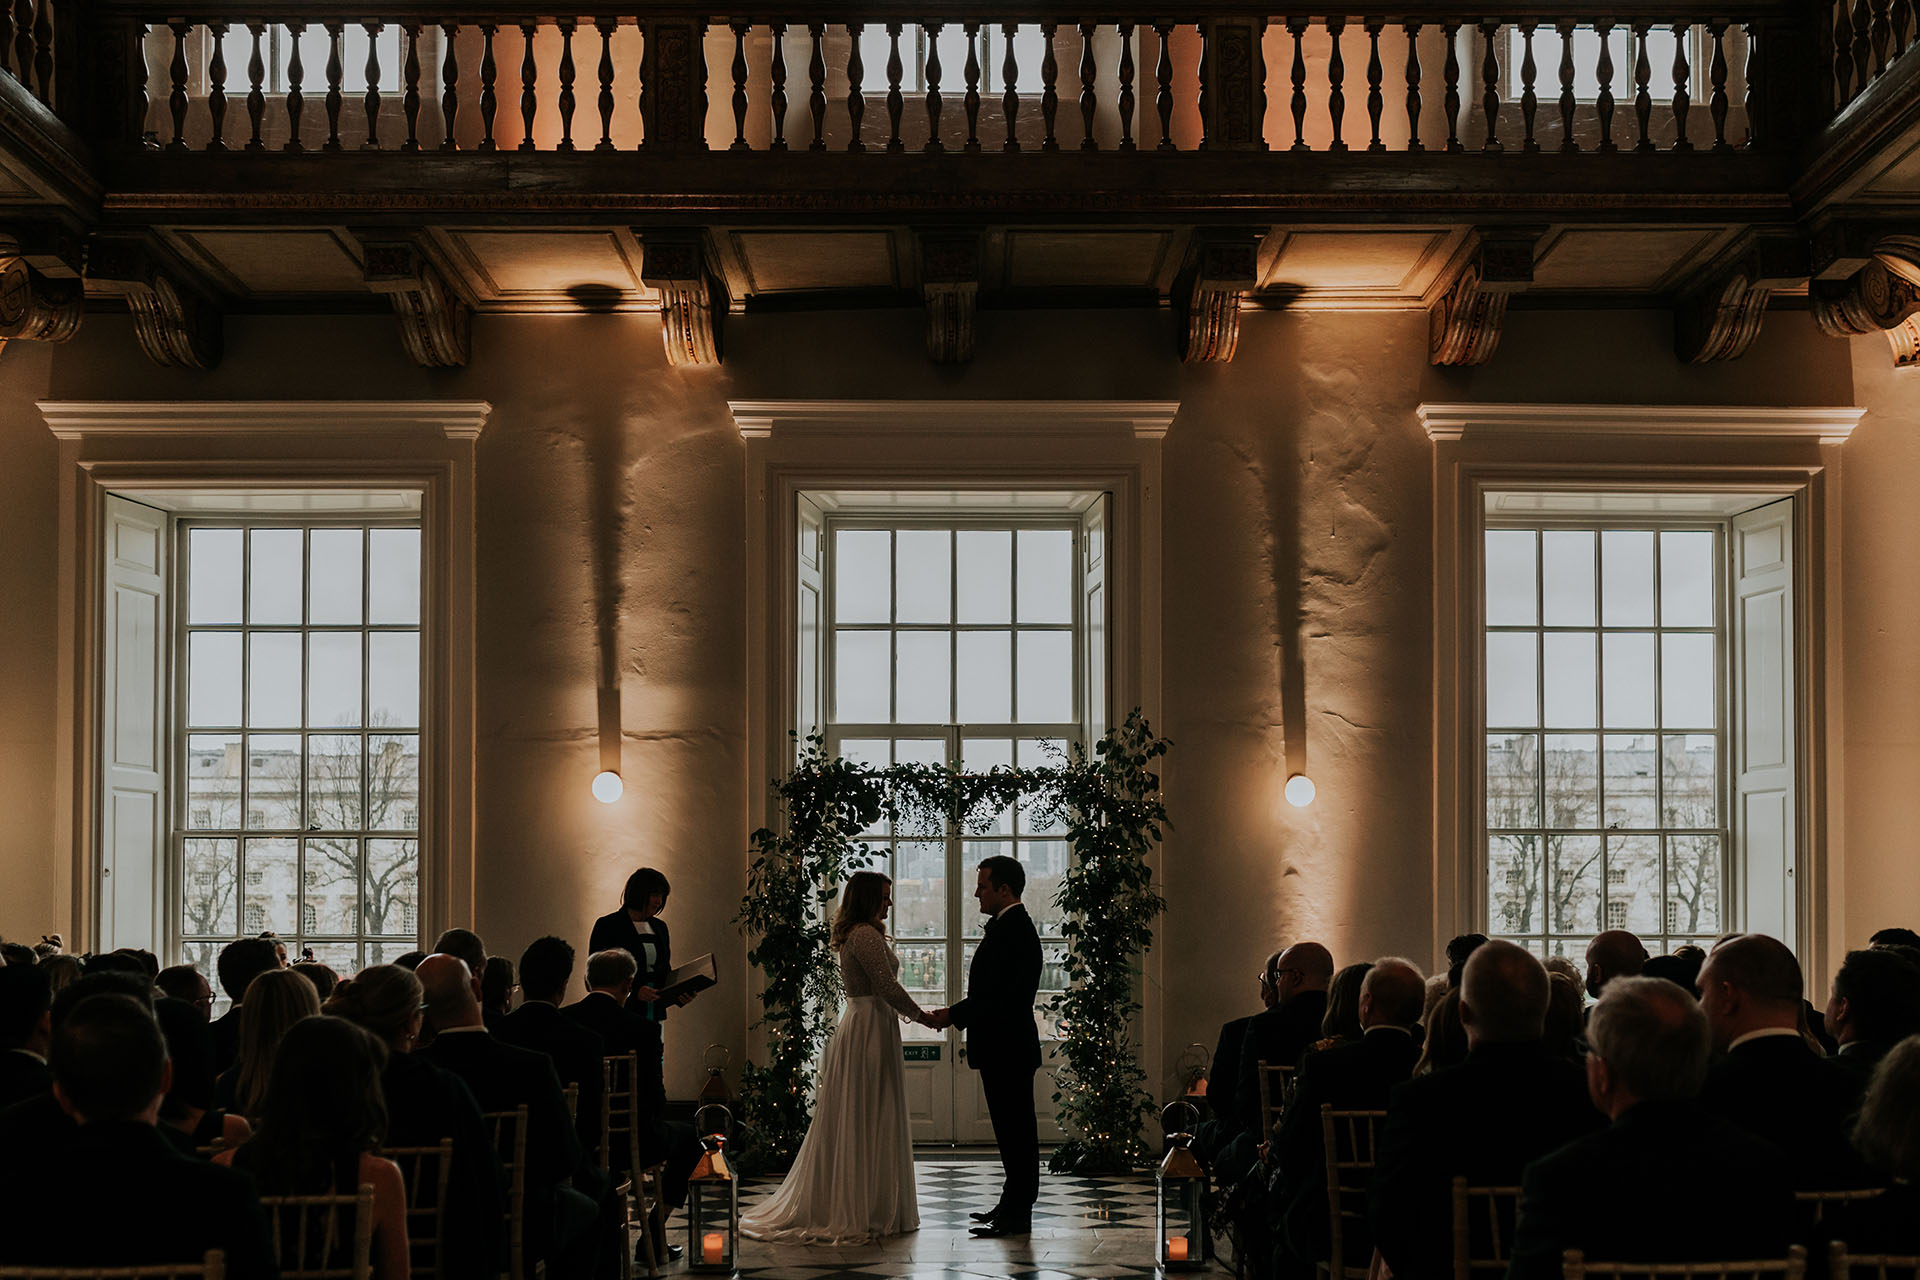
point(696, 975)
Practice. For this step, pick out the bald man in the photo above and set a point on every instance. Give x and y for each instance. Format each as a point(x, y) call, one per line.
point(1508, 1104)
point(1613, 954)
point(1280, 1035)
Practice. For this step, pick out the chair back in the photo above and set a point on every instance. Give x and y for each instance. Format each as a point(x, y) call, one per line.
point(573, 1102)
point(212, 1266)
point(1483, 1221)
point(509, 1129)
point(1842, 1265)
point(1574, 1266)
point(1276, 1091)
point(425, 1171)
point(1816, 1205)
point(1352, 1141)
point(620, 1119)
point(310, 1241)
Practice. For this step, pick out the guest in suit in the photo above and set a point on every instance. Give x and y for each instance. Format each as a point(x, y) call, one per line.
point(1875, 1005)
point(1459, 950)
point(186, 984)
point(275, 1001)
point(1003, 1044)
point(1280, 1035)
point(1508, 1104)
point(110, 1071)
point(1771, 1083)
point(239, 964)
point(1887, 1134)
point(1223, 1075)
point(496, 991)
point(26, 1033)
point(546, 967)
point(40, 1122)
point(466, 946)
point(1566, 1017)
point(1667, 1181)
point(188, 1116)
point(1612, 954)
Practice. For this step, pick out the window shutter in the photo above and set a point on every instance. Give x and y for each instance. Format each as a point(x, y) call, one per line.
point(1764, 756)
point(133, 734)
point(1093, 594)
point(808, 701)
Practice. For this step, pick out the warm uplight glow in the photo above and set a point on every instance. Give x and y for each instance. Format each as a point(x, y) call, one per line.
point(1177, 1249)
point(1300, 791)
point(607, 786)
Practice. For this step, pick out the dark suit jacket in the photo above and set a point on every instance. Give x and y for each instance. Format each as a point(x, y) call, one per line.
point(1778, 1090)
point(1666, 1182)
point(623, 1031)
point(1223, 1076)
point(997, 1014)
point(226, 1039)
point(615, 929)
point(576, 1054)
point(183, 1207)
point(1485, 1119)
point(22, 1076)
point(1859, 1058)
point(1278, 1037)
point(426, 1104)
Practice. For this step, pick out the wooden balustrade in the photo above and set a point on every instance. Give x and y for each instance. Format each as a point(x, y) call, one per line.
point(28, 31)
point(1861, 40)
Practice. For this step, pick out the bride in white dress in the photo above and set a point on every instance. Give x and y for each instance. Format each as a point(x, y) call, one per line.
point(853, 1179)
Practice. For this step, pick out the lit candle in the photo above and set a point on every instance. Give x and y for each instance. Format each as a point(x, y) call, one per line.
point(713, 1246)
point(1177, 1249)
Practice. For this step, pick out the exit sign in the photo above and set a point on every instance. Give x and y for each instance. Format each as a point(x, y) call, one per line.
point(922, 1052)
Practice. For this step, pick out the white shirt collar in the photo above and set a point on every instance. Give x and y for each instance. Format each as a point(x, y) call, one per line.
point(454, 1031)
point(1762, 1034)
point(31, 1054)
point(1015, 905)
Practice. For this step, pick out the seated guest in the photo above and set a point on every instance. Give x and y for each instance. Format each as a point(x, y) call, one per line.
point(184, 983)
point(26, 1032)
point(1895, 937)
point(1281, 1035)
point(39, 1121)
point(1223, 1075)
point(1771, 1083)
point(188, 1116)
point(62, 971)
point(410, 960)
point(1875, 1005)
point(426, 1104)
point(1612, 954)
point(110, 1071)
point(1887, 1134)
point(239, 964)
point(497, 986)
point(1341, 1022)
point(275, 1001)
point(1568, 969)
point(17, 953)
point(1667, 1181)
point(1566, 1017)
point(323, 1120)
point(546, 967)
point(1681, 970)
point(1458, 949)
point(1444, 1042)
point(323, 978)
point(466, 946)
point(1508, 1104)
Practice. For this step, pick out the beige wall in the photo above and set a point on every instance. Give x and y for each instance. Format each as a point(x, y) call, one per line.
point(1297, 584)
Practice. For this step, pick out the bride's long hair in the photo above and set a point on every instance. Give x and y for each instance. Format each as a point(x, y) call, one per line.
point(859, 904)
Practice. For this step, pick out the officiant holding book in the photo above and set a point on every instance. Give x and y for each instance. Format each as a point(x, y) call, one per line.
point(638, 928)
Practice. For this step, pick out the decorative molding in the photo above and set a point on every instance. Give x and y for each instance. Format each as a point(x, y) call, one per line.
point(178, 326)
point(693, 303)
point(1904, 338)
point(1220, 267)
point(950, 283)
point(1720, 319)
point(1824, 425)
point(1463, 328)
point(436, 322)
point(79, 419)
point(1146, 419)
point(34, 308)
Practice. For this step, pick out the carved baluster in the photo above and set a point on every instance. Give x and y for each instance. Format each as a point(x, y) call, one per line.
point(1009, 81)
point(777, 101)
point(1529, 101)
point(6, 37)
point(1205, 102)
point(1413, 86)
point(1451, 72)
point(1843, 52)
point(1682, 77)
point(606, 27)
point(1336, 82)
point(1603, 102)
point(1049, 87)
point(1374, 101)
point(1163, 96)
point(217, 86)
point(176, 75)
point(449, 85)
point(567, 26)
point(1862, 43)
point(1746, 95)
point(1880, 35)
point(336, 76)
point(256, 86)
point(1126, 86)
point(817, 91)
point(43, 45)
point(856, 101)
point(1568, 143)
point(1490, 85)
point(895, 102)
point(1642, 74)
point(296, 102)
point(740, 30)
point(932, 74)
point(1901, 15)
point(1089, 103)
point(23, 42)
point(1297, 28)
point(529, 86)
point(972, 100)
point(410, 87)
point(372, 100)
point(488, 102)
point(1717, 75)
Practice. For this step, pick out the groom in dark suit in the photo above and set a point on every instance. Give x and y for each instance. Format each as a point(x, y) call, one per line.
point(1003, 1044)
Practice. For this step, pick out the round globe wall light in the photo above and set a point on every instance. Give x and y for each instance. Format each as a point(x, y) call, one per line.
point(1300, 791)
point(607, 786)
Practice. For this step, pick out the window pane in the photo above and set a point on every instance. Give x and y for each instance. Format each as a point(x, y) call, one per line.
point(1574, 879)
point(923, 972)
point(334, 558)
point(862, 671)
point(1513, 780)
point(1045, 575)
point(1693, 884)
point(862, 580)
point(332, 886)
point(393, 679)
point(1627, 680)
point(209, 870)
point(273, 680)
point(1046, 677)
point(1039, 753)
point(333, 679)
point(1514, 883)
point(272, 892)
point(273, 783)
point(213, 678)
point(924, 563)
point(924, 692)
point(1566, 577)
point(393, 783)
point(393, 582)
point(1572, 769)
point(1053, 979)
point(274, 580)
point(392, 897)
point(1046, 864)
point(1570, 680)
point(920, 889)
point(213, 782)
point(1690, 778)
point(333, 783)
point(984, 676)
point(1630, 781)
point(1686, 578)
point(917, 751)
point(1686, 681)
point(983, 755)
point(213, 575)
point(985, 585)
point(1633, 883)
point(1626, 578)
point(868, 751)
point(1511, 580)
point(1513, 679)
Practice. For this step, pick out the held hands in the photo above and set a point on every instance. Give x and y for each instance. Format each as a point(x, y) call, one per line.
point(939, 1019)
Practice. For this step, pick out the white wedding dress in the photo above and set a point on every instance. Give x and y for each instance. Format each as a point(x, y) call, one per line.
point(853, 1179)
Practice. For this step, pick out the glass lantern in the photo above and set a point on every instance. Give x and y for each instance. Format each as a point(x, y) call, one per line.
point(1180, 1200)
point(715, 1090)
point(713, 1205)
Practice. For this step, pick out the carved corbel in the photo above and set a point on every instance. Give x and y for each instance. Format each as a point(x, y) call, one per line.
point(1868, 280)
point(36, 305)
point(1220, 267)
point(1720, 319)
point(1873, 300)
point(950, 283)
point(1463, 328)
point(436, 323)
point(178, 326)
point(1904, 338)
point(693, 303)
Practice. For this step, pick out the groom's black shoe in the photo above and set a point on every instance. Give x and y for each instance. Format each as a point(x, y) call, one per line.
point(988, 1216)
point(1003, 1227)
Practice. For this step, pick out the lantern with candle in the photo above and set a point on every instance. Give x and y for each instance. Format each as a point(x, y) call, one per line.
point(1179, 1196)
point(713, 1200)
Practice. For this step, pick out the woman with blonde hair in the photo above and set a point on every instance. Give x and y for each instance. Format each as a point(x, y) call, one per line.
point(853, 1179)
point(272, 1003)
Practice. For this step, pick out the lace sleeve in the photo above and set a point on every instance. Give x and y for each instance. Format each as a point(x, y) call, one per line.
point(871, 953)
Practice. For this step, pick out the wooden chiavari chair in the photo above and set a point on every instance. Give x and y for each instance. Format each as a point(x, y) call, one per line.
point(1276, 1091)
point(212, 1266)
point(1574, 1266)
point(426, 1171)
point(509, 1129)
point(1352, 1141)
point(308, 1239)
point(1483, 1218)
point(1842, 1265)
